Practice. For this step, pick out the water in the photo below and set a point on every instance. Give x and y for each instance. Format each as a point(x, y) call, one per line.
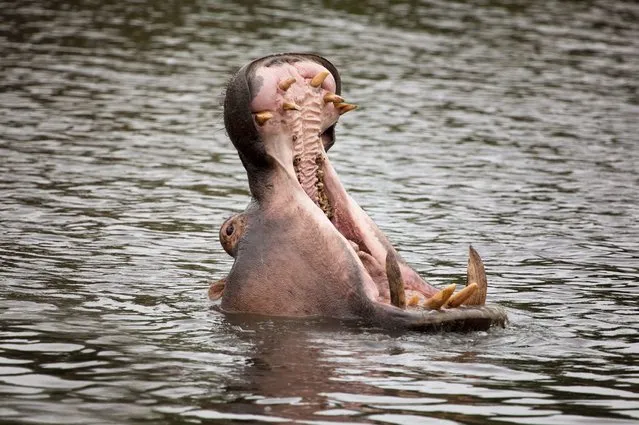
point(508, 125)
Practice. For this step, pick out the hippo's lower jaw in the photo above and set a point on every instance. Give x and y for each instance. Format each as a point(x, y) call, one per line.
point(303, 247)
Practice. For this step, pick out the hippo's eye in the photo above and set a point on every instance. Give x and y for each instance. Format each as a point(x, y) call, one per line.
point(230, 229)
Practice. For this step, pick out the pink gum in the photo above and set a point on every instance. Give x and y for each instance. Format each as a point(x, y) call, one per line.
point(267, 98)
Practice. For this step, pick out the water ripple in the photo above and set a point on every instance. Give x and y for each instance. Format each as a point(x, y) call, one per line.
point(508, 125)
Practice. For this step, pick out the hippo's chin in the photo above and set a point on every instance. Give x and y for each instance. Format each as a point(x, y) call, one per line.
point(303, 247)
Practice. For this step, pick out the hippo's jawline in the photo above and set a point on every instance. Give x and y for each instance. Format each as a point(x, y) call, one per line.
point(304, 247)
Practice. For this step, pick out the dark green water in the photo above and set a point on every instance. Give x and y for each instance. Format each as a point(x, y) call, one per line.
point(511, 125)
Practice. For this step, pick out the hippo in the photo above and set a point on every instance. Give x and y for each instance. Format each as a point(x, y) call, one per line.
point(303, 247)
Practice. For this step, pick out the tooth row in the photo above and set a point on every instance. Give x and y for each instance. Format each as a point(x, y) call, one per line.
point(262, 117)
point(322, 198)
point(311, 145)
point(444, 298)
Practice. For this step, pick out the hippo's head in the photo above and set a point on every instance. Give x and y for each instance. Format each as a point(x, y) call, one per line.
point(303, 247)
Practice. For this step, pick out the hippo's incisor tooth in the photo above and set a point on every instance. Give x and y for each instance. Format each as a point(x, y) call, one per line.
point(319, 78)
point(413, 301)
point(439, 299)
point(333, 98)
point(395, 282)
point(286, 84)
point(457, 299)
point(345, 107)
point(291, 106)
point(262, 117)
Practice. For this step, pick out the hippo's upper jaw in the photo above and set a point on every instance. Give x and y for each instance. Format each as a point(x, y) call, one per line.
point(304, 247)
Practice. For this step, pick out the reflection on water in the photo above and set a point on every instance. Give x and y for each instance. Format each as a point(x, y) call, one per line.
point(509, 125)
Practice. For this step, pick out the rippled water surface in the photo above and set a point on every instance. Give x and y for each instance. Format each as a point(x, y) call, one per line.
point(511, 125)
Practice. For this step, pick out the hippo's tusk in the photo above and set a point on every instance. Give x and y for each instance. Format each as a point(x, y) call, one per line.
point(345, 107)
point(439, 299)
point(333, 98)
point(262, 117)
point(457, 299)
point(291, 106)
point(286, 84)
point(476, 274)
point(395, 282)
point(319, 78)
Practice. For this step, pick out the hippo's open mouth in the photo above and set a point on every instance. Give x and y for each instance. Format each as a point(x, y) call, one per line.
point(304, 247)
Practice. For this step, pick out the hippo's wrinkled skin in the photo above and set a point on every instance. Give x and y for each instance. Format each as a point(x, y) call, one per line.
point(303, 247)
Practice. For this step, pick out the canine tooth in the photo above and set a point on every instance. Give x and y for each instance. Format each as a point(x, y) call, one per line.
point(395, 282)
point(333, 98)
point(476, 273)
point(291, 106)
point(286, 84)
point(262, 117)
point(439, 299)
point(345, 107)
point(319, 78)
point(457, 299)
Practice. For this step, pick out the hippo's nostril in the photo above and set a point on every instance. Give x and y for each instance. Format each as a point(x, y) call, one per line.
point(230, 229)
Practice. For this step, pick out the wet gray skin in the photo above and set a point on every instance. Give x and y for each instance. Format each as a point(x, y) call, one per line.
point(303, 247)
